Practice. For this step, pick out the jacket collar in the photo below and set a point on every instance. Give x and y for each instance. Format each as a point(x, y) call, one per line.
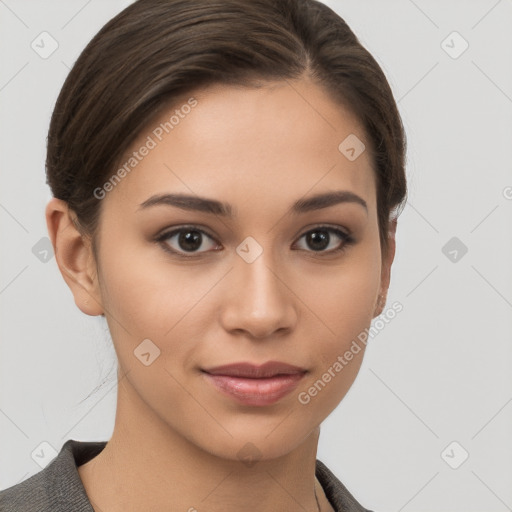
point(58, 487)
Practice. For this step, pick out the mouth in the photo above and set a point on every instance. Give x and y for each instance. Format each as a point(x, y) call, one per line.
point(249, 370)
point(255, 385)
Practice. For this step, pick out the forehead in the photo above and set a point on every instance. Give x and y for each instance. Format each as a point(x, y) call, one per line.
point(247, 146)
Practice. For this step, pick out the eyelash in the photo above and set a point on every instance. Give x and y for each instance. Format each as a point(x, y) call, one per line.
point(346, 238)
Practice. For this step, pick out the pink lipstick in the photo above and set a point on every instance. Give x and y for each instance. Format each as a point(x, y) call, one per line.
point(256, 385)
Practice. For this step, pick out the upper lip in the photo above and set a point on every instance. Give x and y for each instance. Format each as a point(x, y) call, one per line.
point(249, 370)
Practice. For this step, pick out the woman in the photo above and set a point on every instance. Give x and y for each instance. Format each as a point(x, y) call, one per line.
point(226, 178)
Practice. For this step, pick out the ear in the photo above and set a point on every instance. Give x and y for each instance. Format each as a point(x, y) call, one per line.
point(386, 269)
point(74, 256)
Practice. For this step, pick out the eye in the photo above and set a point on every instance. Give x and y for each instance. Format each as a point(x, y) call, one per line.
point(187, 239)
point(320, 238)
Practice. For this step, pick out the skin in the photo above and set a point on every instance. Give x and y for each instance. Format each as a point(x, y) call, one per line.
point(176, 438)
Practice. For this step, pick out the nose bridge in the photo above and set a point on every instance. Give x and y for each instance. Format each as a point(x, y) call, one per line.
point(260, 278)
point(259, 302)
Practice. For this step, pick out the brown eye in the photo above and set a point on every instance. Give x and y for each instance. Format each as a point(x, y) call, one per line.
point(186, 240)
point(321, 238)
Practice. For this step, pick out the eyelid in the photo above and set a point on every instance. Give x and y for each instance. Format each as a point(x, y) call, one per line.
point(335, 227)
point(171, 232)
point(344, 233)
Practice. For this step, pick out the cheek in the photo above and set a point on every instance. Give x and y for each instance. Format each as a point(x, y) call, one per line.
point(131, 291)
point(148, 298)
point(339, 348)
point(344, 306)
point(138, 287)
point(343, 299)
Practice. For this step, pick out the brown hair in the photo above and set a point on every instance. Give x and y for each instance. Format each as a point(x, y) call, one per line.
point(155, 50)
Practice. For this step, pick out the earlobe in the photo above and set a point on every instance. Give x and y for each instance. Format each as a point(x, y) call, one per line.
point(74, 257)
point(386, 269)
point(378, 306)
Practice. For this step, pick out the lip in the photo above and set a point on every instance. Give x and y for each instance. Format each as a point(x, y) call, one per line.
point(249, 370)
point(256, 385)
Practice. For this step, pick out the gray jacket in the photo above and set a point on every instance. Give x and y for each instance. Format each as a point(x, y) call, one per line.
point(58, 488)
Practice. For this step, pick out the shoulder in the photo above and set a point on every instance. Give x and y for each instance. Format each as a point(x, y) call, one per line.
point(29, 495)
point(57, 487)
point(338, 495)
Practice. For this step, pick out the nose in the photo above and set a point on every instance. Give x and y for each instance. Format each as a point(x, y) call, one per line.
point(257, 300)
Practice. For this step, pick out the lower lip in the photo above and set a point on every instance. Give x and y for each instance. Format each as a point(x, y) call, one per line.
point(256, 392)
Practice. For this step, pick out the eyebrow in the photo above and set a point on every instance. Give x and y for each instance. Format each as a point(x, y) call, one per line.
point(203, 204)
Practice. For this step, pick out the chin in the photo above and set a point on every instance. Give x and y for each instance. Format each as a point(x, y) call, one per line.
point(253, 444)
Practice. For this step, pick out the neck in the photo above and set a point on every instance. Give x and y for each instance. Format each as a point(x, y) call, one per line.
point(146, 465)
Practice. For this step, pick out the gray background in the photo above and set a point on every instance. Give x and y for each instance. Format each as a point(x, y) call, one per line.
point(439, 372)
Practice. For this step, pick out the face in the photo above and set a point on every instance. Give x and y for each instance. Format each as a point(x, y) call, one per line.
point(270, 277)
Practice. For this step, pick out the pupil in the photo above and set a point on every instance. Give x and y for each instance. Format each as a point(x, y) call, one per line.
point(313, 239)
point(190, 240)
